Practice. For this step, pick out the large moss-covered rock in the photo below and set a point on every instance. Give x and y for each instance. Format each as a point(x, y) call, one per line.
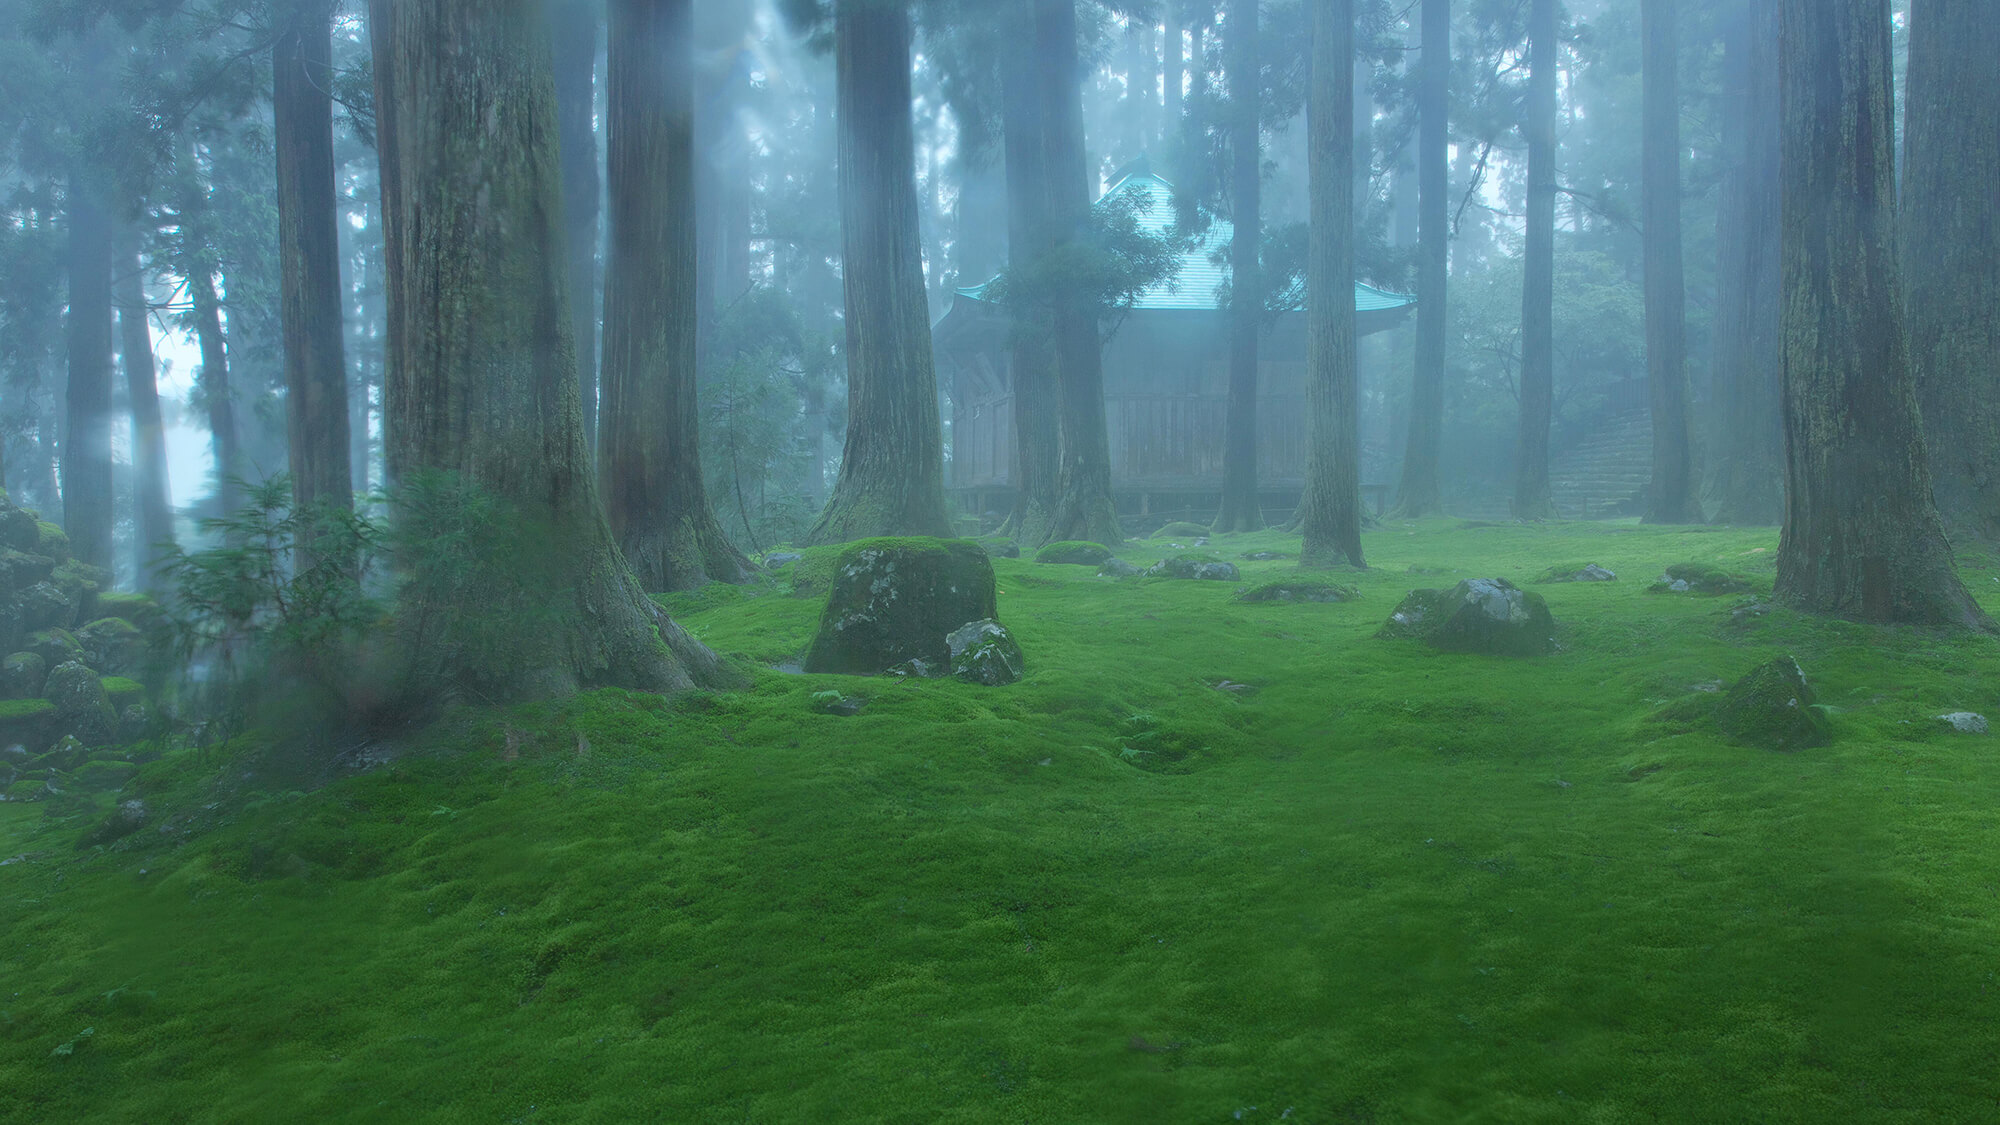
point(20, 570)
point(83, 709)
point(985, 653)
point(22, 676)
point(1299, 590)
point(1482, 615)
point(1772, 708)
point(52, 541)
point(111, 645)
point(54, 646)
point(894, 600)
point(1194, 567)
point(138, 609)
point(27, 723)
point(19, 529)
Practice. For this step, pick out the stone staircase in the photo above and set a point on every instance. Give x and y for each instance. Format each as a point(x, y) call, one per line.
point(1606, 475)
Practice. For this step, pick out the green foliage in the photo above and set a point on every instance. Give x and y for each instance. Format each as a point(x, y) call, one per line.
point(1103, 268)
point(760, 451)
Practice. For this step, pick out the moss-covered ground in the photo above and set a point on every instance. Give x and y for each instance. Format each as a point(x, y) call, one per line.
point(1210, 862)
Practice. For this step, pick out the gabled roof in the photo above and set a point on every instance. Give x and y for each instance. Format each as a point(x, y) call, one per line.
point(1202, 273)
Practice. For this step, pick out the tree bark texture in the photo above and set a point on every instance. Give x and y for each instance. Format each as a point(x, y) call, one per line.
point(573, 37)
point(1671, 498)
point(1748, 476)
point(225, 444)
point(1330, 509)
point(649, 465)
point(316, 422)
point(1173, 57)
point(891, 479)
point(1037, 408)
point(1861, 537)
point(1241, 510)
point(86, 450)
point(153, 513)
point(1084, 509)
point(1419, 494)
point(481, 381)
point(1532, 497)
point(1951, 228)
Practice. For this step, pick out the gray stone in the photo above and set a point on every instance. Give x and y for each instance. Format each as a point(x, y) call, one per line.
point(1590, 573)
point(1480, 615)
point(23, 675)
point(127, 818)
point(43, 606)
point(780, 559)
point(1193, 567)
point(111, 645)
point(54, 646)
point(895, 600)
point(1119, 568)
point(1263, 556)
point(1967, 722)
point(83, 710)
point(985, 653)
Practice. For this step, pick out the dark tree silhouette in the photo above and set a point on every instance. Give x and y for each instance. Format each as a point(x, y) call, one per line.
point(1419, 494)
point(1241, 510)
point(1671, 498)
point(1532, 499)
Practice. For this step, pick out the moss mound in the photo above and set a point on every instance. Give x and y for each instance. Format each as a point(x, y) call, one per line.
point(1299, 590)
point(1074, 553)
point(1181, 531)
point(1697, 578)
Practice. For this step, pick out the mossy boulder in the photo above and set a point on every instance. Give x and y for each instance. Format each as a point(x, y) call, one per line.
point(1773, 708)
point(28, 723)
point(1299, 590)
point(985, 653)
point(52, 541)
point(19, 529)
point(1480, 615)
point(54, 646)
point(43, 605)
point(22, 676)
point(1118, 568)
point(896, 600)
point(1074, 553)
point(20, 569)
point(111, 645)
point(1194, 567)
point(103, 777)
point(1181, 531)
point(83, 708)
point(1569, 572)
point(127, 818)
point(1697, 578)
point(122, 692)
point(137, 609)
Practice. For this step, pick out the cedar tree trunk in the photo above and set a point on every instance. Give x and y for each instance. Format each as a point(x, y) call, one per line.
point(213, 381)
point(1861, 537)
point(1532, 500)
point(1031, 358)
point(891, 478)
point(1330, 509)
point(649, 466)
point(1240, 509)
point(1951, 229)
point(481, 382)
point(1671, 498)
point(574, 25)
point(86, 450)
point(153, 511)
point(1419, 494)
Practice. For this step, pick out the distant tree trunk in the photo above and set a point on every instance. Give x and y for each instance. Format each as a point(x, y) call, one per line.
point(1241, 510)
point(152, 510)
point(891, 478)
point(1532, 499)
point(1749, 468)
point(86, 453)
point(1173, 56)
point(1330, 509)
point(649, 468)
point(1861, 537)
point(212, 379)
point(481, 380)
point(1084, 509)
point(309, 260)
point(574, 25)
point(1951, 224)
point(1671, 498)
point(1419, 494)
point(1031, 357)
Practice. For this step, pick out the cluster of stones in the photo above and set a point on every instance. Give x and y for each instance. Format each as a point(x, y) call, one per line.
point(63, 698)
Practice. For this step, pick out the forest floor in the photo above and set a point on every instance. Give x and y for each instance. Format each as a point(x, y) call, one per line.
point(1209, 862)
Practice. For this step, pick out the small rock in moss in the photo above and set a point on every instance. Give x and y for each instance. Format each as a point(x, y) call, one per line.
point(1696, 578)
point(1772, 708)
point(1074, 553)
point(1965, 722)
point(1299, 590)
point(1118, 568)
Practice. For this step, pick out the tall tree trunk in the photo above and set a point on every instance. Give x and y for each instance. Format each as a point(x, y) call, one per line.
point(309, 260)
point(1532, 499)
point(86, 453)
point(1084, 509)
point(649, 468)
point(1951, 226)
point(1330, 509)
point(482, 370)
point(892, 469)
point(1031, 357)
point(1861, 537)
point(1671, 498)
point(152, 510)
point(1748, 475)
point(213, 380)
point(574, 25)
point(1419, 494)
point(1241, 510)
point(1173, 56)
